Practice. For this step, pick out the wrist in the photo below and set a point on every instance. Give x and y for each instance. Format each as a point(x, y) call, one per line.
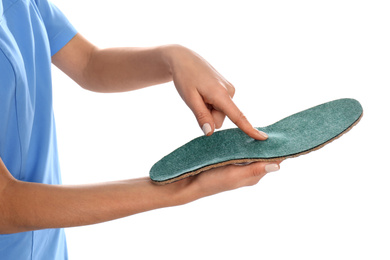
point(177, 193)
point(172, 54)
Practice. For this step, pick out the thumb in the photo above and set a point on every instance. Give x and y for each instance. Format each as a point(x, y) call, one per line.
point(255, 171)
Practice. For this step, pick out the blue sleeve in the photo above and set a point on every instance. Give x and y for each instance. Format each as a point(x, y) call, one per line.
point(60, 31)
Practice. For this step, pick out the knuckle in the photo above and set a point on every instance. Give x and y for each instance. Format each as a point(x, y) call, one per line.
point(221, 92)
point(201, 115)
point(218, 96)
point(240, 118)
point(256, 172)
point(231, 89)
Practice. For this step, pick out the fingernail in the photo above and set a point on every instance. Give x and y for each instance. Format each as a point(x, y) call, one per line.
point(273, 167)
point(206, 128)
point(262, 134)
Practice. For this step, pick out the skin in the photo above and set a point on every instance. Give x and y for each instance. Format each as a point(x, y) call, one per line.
point(28, 206)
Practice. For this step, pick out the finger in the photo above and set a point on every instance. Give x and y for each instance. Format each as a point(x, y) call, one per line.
point(236, 176)
point(255, 171)
point(231, 177)
point(218, 117)
point(239, 119)
point(202, 114)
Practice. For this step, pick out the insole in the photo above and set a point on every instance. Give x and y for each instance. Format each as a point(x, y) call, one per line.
point(290, 137)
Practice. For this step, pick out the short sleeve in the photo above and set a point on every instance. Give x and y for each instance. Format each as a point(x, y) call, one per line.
point(59, 30)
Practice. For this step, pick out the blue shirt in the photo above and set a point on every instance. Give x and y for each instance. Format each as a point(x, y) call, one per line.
point(31, 31)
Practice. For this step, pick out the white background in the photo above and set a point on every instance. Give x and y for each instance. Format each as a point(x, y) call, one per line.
point(282, 57)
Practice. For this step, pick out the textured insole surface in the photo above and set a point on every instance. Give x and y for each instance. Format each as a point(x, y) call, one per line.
point(297, 134)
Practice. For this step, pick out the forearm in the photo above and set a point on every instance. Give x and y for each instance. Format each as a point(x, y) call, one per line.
point(31, 206)
point(206, 92)
point(28, 206)
point(125, 69)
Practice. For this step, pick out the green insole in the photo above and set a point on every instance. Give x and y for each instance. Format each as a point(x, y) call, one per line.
point(292, 136)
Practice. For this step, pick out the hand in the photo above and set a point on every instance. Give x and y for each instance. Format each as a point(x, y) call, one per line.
point(221, 179)
point(207, 93)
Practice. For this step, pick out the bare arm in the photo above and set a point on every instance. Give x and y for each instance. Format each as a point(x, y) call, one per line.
point(29, 206)
point(112, 69)
point(206, 92)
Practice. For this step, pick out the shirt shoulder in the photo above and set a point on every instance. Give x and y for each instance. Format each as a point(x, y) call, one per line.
point(59, 30)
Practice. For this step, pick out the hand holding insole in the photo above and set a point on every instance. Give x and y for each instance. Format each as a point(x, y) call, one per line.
point(290, 137)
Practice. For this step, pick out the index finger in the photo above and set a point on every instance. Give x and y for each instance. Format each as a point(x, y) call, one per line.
point(238, 118)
